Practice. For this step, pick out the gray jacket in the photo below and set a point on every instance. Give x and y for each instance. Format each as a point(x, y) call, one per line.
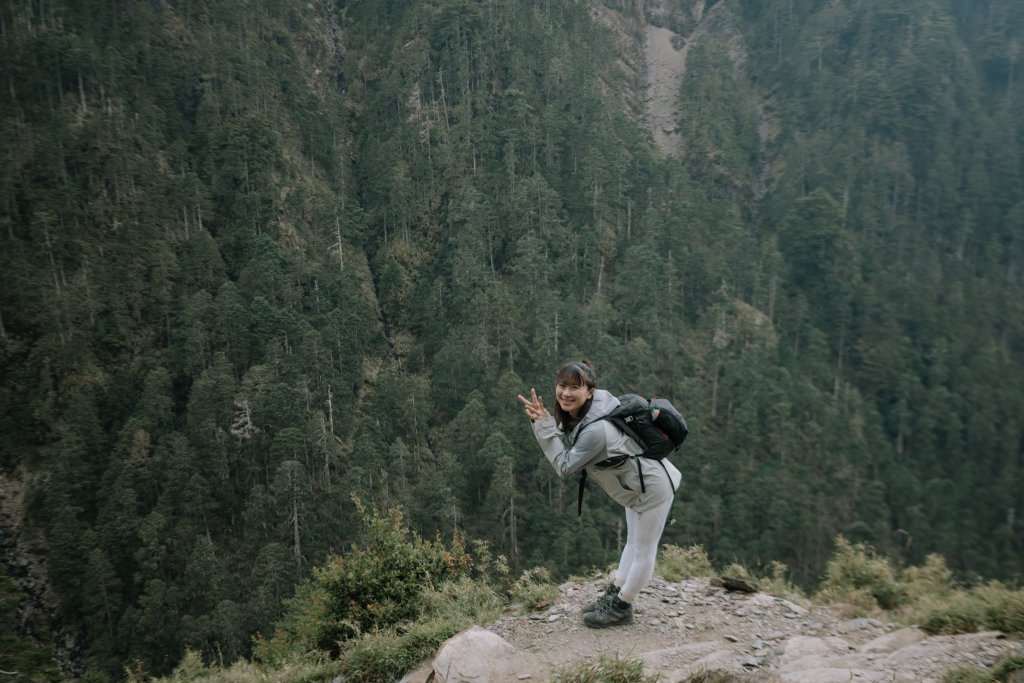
point(600, 442)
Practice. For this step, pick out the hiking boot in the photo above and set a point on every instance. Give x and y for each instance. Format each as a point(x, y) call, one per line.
point(612, 591)
point(613, 612)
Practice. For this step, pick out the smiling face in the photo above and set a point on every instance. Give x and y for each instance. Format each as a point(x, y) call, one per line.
point(571, 397)
point(574, 388)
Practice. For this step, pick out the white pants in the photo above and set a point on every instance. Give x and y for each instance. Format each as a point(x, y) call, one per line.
point(643, 532)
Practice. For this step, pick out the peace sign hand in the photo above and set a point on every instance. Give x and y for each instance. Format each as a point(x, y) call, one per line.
point(534, 409)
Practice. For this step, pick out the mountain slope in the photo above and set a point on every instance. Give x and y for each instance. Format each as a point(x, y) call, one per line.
point(256, 261)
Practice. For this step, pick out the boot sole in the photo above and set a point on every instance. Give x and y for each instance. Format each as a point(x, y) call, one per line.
point(620, 622)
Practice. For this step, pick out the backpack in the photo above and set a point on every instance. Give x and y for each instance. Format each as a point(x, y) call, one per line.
point(655, 425)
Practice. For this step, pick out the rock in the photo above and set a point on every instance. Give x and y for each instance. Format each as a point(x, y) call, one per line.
point(894, 641)
point(478, 655)
point(793, 608)
point(834, 675)
point(762, 600)
point(856, 625)
point(799, 648)
point(752, 637)
point(420, 674)
point(734, 584)
point(754, 662)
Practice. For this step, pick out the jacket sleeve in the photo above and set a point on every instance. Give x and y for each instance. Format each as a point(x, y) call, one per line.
point(590, 447)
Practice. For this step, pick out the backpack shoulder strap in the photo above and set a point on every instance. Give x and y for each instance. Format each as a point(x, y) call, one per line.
point(579, 498)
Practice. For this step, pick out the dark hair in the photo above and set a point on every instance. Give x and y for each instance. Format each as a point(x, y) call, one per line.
point(576, 373)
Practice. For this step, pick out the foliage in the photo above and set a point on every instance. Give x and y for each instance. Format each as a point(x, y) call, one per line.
point(296, 669)
point(858, 576)
point(22, 654)
point(777, 582)
point(389, 652)
point(925, 595)
point(1001, 672)
point(992, 606)
point(378, 584)
point(676, 563)
point(605, 669)
point(931, 580)
point(704, 675)
point(533, 590)
point(254, 261)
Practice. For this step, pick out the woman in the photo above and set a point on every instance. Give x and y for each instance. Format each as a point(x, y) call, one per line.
point(603, 450)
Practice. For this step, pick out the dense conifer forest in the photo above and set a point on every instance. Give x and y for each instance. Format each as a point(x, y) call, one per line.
point(258, 258)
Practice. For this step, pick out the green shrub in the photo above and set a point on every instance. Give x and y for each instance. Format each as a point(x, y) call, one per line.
point(21, 653)
point(778, 583)
point(677, 564)
point(190, 668)
point(705, 676)
point(738, 571)
point(388, 654)
point(933, 579)
point(465, 600)
point(968, 674)
point(385, 654)
point(856, 575)
point(376, 585)
point(534, 590)
point(486, 565)
point(1000, 673)
point(605, 670)
point(1008, 665)
point(296, 669)
point(993, 606)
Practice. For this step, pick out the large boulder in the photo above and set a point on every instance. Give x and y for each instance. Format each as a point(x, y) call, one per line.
point(478, 655)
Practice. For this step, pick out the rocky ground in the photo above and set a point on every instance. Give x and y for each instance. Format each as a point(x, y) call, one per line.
point(692, 626)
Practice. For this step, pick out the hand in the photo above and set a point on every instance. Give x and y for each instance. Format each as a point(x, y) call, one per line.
point(534, 409)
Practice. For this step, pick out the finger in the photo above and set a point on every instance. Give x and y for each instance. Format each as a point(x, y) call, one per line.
point(533, 392)
point(523, 400)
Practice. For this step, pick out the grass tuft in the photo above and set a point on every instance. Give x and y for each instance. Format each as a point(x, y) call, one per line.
point(605, 669)
point(1000, 673)
point(678, 564)
point(856, 575)
point(993, 606)
point(703, 675)
point(295, 669)
point(534, 590)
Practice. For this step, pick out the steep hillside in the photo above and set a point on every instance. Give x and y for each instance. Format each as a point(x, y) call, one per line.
point(258, 259)
point(655, 39)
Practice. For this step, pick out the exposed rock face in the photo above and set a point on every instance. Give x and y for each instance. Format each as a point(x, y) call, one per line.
point(24, 562)
point(654, 39)
point(682, 628)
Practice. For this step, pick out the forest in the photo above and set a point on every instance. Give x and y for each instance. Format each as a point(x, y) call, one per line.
point(260, 260)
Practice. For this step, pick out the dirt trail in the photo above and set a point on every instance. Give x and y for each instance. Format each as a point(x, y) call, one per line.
point(685, 627)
